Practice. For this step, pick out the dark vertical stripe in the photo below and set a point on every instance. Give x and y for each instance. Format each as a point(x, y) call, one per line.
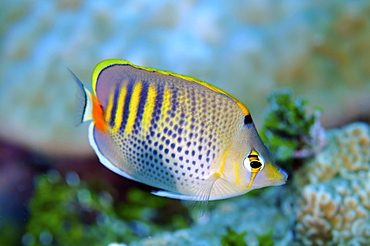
point(126, 105)
point(193, 106)
point(142, 103)
point(114, 106)
point(158, 103)
point(173, 102)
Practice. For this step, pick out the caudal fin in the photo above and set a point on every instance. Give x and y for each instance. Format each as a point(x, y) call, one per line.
point(84, 104)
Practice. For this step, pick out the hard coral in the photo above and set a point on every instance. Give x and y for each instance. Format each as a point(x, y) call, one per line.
point(334, 206)
point(348, 151)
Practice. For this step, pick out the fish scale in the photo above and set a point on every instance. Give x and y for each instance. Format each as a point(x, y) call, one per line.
point(175, 133)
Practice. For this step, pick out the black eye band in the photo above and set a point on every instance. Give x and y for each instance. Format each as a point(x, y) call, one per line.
point(248, 119)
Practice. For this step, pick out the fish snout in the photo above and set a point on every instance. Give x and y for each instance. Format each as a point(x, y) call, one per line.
point(280, 178)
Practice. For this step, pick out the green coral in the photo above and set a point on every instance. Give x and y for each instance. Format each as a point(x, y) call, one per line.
point(266, 239)
point(290, 130)
point(233, 238)
point(70, 212)
point(169, 214)
point(10, 231)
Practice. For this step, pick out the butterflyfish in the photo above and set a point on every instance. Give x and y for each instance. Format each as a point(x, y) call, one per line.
point(184, 136)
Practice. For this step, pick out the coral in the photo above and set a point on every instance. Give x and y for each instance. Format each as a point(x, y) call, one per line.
point(67, 212)
point(71, 212)
point(251, 220)
point(348, 152)
point(289, 129)
point(233, 238)
point(333, 206)
point(247, 47)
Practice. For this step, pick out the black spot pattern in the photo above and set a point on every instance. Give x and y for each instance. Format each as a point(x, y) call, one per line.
point(183, 142)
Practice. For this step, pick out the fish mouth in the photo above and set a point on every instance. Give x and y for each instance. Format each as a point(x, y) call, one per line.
point(280, 178)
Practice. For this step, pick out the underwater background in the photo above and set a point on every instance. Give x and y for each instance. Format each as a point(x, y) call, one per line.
point(54, 191)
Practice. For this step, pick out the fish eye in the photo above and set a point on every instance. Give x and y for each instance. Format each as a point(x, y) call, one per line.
point(253, 162)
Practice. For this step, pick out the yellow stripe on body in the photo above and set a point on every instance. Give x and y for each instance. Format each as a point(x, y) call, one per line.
point(119, 108)
point(222, 167)
point(108, 111)
point(149, 107)
point(237, 174)
point(166, 105)
point(134, 102)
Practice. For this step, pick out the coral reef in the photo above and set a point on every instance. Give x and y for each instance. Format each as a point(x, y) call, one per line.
point(242, 217)
point(247, 47)
point(333, 206)
point(347, 153)
point(69, 211)
point(233, 238)
point(335, 212)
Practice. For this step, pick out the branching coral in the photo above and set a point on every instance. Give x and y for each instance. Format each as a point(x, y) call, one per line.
point(334, 207)
point(348, 151)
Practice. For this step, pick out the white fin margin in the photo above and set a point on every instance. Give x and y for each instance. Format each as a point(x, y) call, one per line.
point(102, 158)
point(172, 195)
point(87, 113)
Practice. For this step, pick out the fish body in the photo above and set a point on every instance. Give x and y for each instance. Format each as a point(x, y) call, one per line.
point(174, 132)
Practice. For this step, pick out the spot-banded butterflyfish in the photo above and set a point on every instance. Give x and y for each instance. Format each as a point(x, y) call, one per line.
point(184, 136)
